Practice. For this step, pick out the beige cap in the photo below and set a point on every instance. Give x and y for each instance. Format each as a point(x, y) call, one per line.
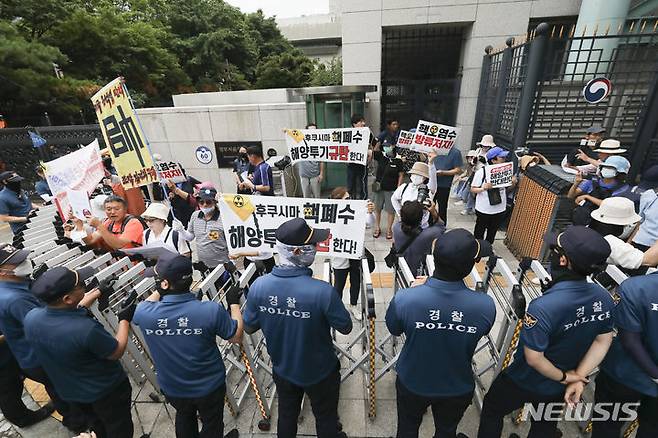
point(487, 140)
point(420, 169)
point(616, 211)
point(157, 211)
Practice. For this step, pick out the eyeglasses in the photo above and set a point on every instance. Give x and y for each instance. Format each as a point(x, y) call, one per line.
point(150, 219)
point(206, 202)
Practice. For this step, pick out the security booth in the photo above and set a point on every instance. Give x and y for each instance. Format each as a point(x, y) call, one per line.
point(332, 107)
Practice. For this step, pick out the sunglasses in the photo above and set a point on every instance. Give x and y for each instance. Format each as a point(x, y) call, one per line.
point(206, 202)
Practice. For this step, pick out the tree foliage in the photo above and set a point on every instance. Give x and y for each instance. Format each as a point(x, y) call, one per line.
point(328, 74)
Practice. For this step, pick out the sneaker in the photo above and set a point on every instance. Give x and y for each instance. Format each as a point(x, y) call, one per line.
point(466, 212)
point(458, 203)
point(356, 312)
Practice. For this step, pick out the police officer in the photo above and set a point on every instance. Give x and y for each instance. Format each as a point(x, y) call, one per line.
point(79, 356)
point(565, 332)
point(16, 300)
point(296, 312)
point(181, 332)
point(15, 205)
point(629, 373)
point(442, 315)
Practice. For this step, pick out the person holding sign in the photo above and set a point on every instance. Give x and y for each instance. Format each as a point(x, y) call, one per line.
point(357, 175)
point(311, 174)
point(119, 230)
point(389, 176)
point(159, 233)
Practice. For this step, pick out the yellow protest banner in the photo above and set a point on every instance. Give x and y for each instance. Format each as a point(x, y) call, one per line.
point(123, 135)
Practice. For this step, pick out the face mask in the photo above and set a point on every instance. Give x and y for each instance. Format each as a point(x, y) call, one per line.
point(14, 186)
point(388, 150)
point(303, 259)
point(207, 210)
point(607, 172)
point(417, 179)
point(107, 162)
point(24, 269)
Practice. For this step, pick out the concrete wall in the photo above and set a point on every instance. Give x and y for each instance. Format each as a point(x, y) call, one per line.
point(243, 97)
point(488, 22)
point(177, 132)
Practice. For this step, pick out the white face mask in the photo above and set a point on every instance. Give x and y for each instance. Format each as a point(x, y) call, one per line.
point(207, 210)
point(417, 179)
point(607, 172)
point(24, 269)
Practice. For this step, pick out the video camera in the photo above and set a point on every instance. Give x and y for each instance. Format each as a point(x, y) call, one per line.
point(283, 163)
point(424, 196)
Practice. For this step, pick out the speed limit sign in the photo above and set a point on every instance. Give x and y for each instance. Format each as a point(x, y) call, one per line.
point(204, 155)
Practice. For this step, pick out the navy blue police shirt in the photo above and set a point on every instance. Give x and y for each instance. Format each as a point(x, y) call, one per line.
point(73, 349)
point(181, 332)
point(15, 204)
point(295, 312)
point(562, 324)
point(637, 312)
point(439, 317)
point(16, 301)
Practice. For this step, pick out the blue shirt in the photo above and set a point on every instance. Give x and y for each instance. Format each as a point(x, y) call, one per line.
point(263, 177)
point(637, 312)
point(295, 312)
point(181, 332)
point(16, 301)
point(562, 324)
point(647, 234)
point(443, 322)
point(447, 162)
point(14, 204)
point(587, 186)
point(73, 349)
point(42, 187)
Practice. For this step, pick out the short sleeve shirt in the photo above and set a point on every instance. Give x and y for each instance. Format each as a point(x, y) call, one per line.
point(637, 312)
point(296, 312)
point(648, 231)
point(420, 247)
point(13, 204)
point(562, 324)
point(181, 332)
point(210, 240)
point(167, 238)
point(447, 162)
point(388, 171)
point(309, 169)
point(263, 177)
point(16, 301)
point(132, 231)
point(482, 203)
point(73, 349)
point(437, 318)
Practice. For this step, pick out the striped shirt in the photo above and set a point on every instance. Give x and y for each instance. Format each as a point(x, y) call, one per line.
point(210, 239)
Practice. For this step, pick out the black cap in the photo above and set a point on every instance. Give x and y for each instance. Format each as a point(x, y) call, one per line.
point(297, 232)
point(58, 281)
point(10, 176)
point(207, 193)
point(458, 247)
point(649, 179)
point(585, 248)
point(595, 129)
point(11, 255)
point(171, 268)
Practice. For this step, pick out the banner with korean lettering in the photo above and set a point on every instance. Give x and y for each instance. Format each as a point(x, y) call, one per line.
point(441, 138)
point(406, 141)
point(170, 171)
point(499, 175)
point(250, 222)
point(123, 135)
point(348, 145)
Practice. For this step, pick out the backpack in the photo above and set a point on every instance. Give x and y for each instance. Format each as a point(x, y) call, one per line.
point(174, 237)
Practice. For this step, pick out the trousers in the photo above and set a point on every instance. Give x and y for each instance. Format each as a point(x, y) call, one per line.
point(210, 409)
point(340, 279)
point(357, 181)
point(441, 198)
point(505, 396)
point(489, 223)
point(609, 390)
point(310, 187)
point(110, 416)
point(324, 404)
point(447, 412)
point(11, 392)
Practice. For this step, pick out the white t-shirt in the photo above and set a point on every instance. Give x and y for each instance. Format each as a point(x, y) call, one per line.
point(482, 199)
point(623, 254)
point(166, 239)
point(409, 192)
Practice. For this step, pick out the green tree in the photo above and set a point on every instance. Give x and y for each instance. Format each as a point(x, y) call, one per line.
point(328, 74)
point(287, 70)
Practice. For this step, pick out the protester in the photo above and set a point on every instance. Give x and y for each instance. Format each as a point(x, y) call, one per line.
point(607, 148)
point(133, 197)
point(343, 267)
point(419, 187)
point(15, 205)
point(462, 190)
point(289, 304)
point(241, 169)
point(161, 234)
point(629, 373)
point(41, 186)
point(16, 300)
point(264, 261)
point(119, 231)
point(311, 174)
point(389, 136)
point(261, 181)
point(588, 194)
point(180, 332)
point(357, 175)
point(11, 392)
point(77, 354)
point(205, 227)
point(388, 178)
point(447, 166)
point(564, 332)
point(409, 157)
point(443, 321)
point(183, 203)
point(647, 233)
point(484, 146)
point(585, 154)
point(408, 235)
point(490, 202)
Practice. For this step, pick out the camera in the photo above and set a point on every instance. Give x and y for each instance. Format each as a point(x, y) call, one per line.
point(283, 163)
point(424, 195)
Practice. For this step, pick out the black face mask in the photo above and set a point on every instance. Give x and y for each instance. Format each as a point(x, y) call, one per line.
point(107, 163)
point(14, 186)
point(561, 273)
point(450, 273)
point(606, 229)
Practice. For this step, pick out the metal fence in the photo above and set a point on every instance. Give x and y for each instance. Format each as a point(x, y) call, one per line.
point(531, 91)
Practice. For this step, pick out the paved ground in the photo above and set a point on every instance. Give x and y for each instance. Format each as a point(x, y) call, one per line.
point(156, 418)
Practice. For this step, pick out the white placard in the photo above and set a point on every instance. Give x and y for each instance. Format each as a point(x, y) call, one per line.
point(499, 175)
point(347, 145)
point(170, 171)
point(79, 202)
point(441, 138)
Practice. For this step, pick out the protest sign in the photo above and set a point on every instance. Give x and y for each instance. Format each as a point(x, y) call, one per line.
point(170, 171)
point(123, 135)
point(499, 175)
point(250, 222)
point(349, 145)
point(441, 138)
point(79, 170)
point(406, 141)
point(79, 203)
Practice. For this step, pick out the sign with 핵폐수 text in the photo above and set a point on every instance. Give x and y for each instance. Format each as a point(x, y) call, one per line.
point(441, 138)
point(406, 141)
point(345, 145)
point(79, 170)
point(499, 175)
point(170, 171)
point(123, 135)
point(250, 222)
